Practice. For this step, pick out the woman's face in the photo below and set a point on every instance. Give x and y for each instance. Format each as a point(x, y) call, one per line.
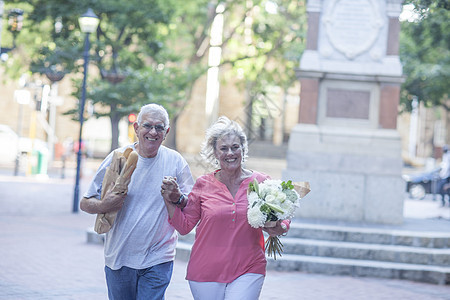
point(229, 152)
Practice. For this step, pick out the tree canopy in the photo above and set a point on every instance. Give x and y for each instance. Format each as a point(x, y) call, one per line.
point(155, 50)
point(425, 54)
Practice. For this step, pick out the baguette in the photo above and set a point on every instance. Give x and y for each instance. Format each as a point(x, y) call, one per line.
point(127, 152)
point(119, 171)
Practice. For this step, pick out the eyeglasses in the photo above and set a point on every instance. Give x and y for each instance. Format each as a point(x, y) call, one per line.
point(159, 128)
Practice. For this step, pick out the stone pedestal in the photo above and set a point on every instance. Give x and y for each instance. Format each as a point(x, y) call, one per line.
point(355, 175)
point(346, 144)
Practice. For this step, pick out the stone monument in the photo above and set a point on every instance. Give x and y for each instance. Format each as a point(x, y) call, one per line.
point(346, 143)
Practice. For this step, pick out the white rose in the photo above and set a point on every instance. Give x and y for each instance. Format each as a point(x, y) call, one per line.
point(281, 197)
point(270, 199)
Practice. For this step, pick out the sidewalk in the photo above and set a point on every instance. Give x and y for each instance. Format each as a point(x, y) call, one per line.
point(44, 254)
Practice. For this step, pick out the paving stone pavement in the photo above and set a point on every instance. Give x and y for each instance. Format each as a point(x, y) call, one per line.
point(44, 253)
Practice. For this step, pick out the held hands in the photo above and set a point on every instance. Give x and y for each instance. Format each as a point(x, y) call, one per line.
point(170, 190)
point(280, 228)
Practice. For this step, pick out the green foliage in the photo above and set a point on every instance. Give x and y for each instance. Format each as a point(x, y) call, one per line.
point(425, 54)
point(269, 55)
point(159, 47)
point(287, 185)
point(253, 187)
point(128, 49)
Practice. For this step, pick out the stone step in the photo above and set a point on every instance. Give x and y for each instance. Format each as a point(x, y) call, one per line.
point(374, 252)
point(350, 250)
point(426, 239)
point(348, 267)
point(355, 251)
point(361, 268)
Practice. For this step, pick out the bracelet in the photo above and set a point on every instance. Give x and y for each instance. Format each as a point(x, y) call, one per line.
point(179, 200)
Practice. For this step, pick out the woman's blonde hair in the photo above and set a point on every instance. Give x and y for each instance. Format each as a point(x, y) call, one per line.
point(222, 127)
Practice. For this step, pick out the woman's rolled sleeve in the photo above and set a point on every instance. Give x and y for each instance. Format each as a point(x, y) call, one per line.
point(185, 220)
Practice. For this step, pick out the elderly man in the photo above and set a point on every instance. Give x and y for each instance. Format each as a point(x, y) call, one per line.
point(140, 246)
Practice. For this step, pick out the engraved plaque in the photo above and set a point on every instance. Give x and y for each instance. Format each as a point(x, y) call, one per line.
point(348, 104)
point(352, 26)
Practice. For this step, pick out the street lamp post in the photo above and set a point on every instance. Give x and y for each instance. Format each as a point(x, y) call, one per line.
point(88, 24)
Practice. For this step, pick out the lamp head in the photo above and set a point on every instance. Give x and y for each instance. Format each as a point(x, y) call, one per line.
point(88, 21)
point(15, 20)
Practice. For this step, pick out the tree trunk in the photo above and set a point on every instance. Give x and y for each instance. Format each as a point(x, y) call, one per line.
point(447, 123)
point(115, 118)
point(248, 115)
point(171, 139)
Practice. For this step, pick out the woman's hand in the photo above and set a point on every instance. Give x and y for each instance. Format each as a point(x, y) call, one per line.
point(281, 227)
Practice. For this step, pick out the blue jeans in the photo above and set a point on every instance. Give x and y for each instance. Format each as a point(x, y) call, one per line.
point(128, 284)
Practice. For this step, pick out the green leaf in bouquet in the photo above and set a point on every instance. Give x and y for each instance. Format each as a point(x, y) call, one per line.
point(287, 185)
point(255, 183)
point(275, 207)
point(265, 209)
point(253, 186)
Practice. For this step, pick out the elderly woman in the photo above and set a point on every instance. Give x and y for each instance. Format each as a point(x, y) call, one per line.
point(228, 259)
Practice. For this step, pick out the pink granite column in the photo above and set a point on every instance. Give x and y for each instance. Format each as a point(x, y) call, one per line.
point(309, 87)
point(390, 92)
point(393, 33)
point(309, 99)
point(389, 99)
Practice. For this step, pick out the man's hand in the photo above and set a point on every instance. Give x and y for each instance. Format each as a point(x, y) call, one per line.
point(112, 201)
point(171, 194)
point(170, 190)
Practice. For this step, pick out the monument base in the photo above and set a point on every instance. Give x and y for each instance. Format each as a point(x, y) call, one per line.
point(355, 174)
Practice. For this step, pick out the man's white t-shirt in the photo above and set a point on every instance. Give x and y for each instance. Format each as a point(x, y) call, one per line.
point(141, 236)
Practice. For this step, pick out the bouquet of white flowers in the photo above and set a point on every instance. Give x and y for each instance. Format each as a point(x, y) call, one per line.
point(270, 201)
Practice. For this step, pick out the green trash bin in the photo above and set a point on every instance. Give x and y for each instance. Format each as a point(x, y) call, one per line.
point(40, 162)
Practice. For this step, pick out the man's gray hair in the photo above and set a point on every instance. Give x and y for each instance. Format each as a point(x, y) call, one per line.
point(154, 108)
point(222, 127)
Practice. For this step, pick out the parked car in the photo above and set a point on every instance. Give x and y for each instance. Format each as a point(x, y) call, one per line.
point(12, 145)
point(421, 184)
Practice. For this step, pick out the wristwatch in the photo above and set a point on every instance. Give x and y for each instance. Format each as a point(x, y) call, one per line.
point(179, 200)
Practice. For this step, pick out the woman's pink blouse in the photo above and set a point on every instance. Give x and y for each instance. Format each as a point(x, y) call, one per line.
point(225, 245)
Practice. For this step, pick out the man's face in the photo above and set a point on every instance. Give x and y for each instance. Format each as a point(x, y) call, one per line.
point(151, 132)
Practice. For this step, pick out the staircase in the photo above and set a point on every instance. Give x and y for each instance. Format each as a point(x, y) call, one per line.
point(370, 251)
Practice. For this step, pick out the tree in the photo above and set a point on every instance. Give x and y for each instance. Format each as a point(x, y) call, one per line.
point(271, 58)
point(157, 52)
point(425, 54)
point(128, 46)
point(262, 42)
